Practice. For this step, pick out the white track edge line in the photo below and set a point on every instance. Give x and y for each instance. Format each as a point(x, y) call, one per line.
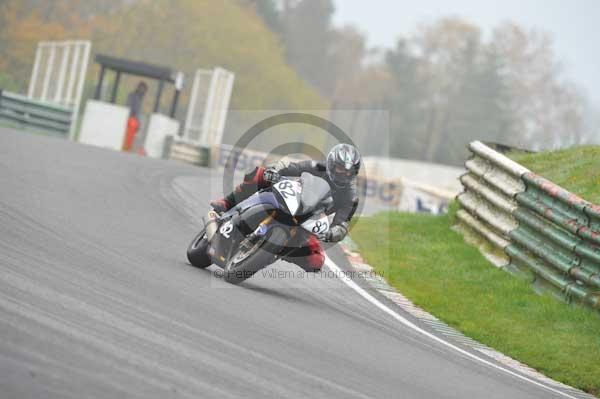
point(362, 292)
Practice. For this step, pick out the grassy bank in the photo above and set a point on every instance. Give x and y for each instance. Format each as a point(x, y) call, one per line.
point(576, 169)
point(433, 266)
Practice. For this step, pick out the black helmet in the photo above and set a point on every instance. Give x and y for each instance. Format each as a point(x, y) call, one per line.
point(343, 163)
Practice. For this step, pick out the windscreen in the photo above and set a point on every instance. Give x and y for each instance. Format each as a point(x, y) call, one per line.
point(314, 191)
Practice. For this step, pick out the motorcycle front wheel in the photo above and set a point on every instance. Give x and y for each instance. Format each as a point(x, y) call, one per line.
point(196, 252)
point(253, 256)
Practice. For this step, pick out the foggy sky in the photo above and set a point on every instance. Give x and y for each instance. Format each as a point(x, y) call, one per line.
point(574, 25)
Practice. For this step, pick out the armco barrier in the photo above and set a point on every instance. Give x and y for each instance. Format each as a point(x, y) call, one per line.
point(546, 233)
point(186, 152)
point(29, 113)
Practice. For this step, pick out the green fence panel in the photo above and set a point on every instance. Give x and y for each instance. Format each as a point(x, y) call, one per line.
point(593, 211)
point(529, 201)
point(560, 236)
point(556, 235)
point(589, 234)
point(39, 115)
point(590, 266)
point(589, 253)
point(559, 280)
point(555, 191)
point(543, 249)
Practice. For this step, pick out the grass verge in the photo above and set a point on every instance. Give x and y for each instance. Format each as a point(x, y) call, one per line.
point(576, 169)
point(432, 265)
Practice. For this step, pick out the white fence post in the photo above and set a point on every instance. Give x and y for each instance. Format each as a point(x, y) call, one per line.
point(61, 84)
point(61, 73)
point(210, 101)
point(84, 64)
point(34, 72)
point(72, 75)
point(192, 106)
point(48, 74)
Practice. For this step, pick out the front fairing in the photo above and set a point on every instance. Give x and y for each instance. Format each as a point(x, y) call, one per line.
point(261, 198)
point(227, 237)
point(289, 194)
point(318, 224)
point(315, 191)
point(302, 197)
point(238, 222)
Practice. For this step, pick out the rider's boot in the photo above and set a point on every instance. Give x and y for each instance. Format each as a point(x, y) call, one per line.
point(221, 205)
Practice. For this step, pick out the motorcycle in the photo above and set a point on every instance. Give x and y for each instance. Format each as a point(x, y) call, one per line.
point(265, 227)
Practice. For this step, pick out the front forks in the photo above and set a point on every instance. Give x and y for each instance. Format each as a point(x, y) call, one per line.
point(210, 224)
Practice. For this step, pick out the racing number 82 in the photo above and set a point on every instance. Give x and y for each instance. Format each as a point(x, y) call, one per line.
point(319, 227)
point(286, 189)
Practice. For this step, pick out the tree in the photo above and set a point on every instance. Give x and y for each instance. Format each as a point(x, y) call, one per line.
point(407, 102)
point(548, 109)
point(452, 87)
point(447, 92)
point(204, 34)
point(19, 34)
point(307, 36)
point(329, 58)
point(346, 52)
point(269, 12)
point(191, 35)
point(450, 52)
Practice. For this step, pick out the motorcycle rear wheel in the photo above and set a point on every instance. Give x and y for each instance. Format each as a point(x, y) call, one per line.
point(247, 261)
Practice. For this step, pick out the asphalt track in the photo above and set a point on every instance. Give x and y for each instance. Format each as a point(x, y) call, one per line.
point(97, 299)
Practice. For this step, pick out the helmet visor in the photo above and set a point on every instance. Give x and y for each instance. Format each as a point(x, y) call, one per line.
point(342, 175)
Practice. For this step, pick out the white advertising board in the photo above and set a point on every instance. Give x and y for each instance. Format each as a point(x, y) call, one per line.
point(104, 124)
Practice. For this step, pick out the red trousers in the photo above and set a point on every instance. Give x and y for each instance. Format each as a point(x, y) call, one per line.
point(133, 124)
point(310, 256)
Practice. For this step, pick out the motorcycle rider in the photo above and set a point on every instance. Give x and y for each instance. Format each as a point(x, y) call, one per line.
point(339, 170)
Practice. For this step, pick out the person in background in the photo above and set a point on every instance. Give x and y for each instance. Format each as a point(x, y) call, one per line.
point(134, 102)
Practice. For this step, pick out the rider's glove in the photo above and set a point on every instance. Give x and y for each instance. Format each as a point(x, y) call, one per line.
point(336, 233)
point(271, 175)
